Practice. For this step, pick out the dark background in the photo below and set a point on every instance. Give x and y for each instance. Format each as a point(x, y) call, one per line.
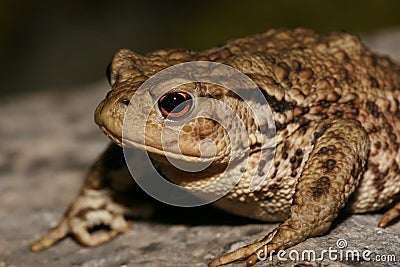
point(58, 45)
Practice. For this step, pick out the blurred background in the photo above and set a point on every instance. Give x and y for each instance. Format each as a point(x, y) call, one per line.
point(58, 45)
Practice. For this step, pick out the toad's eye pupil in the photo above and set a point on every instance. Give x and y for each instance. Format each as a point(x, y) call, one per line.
point(172, 101)
point(175, 104)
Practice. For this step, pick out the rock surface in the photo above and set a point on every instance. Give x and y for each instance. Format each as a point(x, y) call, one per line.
point(48, 140)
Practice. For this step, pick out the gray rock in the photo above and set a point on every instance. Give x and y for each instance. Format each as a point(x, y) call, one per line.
point(48, 140)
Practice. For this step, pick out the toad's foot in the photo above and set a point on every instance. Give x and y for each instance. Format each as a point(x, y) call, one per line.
point(390, 216)
point(92, 219)
point(330, 175)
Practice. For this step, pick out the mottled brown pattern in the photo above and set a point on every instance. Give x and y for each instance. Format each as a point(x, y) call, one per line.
point(331, 99)
point(321, 186)
point(329, 164)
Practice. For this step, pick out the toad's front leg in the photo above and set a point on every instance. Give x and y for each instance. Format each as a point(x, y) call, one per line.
point(330, 175)
point(97, 205)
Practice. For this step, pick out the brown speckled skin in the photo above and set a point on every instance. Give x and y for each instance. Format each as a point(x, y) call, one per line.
point(336, 107)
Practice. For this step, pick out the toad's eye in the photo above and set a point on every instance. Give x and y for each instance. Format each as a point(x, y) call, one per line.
point(175, 105)
point(108, 73)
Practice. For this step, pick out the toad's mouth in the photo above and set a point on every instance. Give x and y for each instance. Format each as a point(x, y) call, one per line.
point(127, 143)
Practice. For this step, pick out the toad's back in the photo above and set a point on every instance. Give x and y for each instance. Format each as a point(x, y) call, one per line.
point(308, 77)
